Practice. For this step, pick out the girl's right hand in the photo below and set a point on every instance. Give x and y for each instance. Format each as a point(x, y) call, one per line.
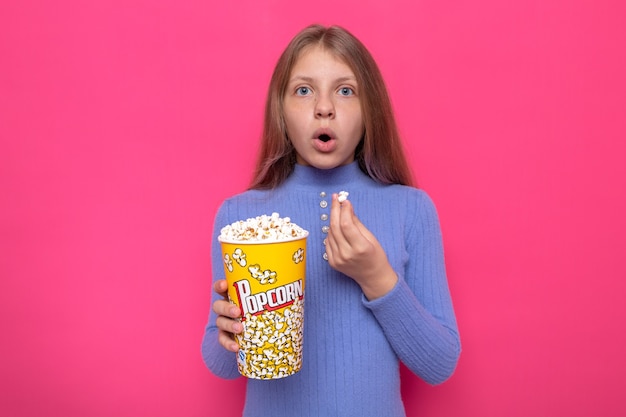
point(228, 314)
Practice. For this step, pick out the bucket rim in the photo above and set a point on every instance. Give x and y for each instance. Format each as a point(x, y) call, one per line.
point(303, 236)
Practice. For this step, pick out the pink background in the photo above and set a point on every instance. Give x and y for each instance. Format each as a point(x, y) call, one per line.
point(123, 124)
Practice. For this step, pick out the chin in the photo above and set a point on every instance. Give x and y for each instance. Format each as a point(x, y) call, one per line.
point(324, 162)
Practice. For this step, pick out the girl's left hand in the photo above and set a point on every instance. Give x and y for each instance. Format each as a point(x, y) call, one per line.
point(353, 250)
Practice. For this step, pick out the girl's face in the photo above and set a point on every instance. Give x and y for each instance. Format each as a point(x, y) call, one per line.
point(322, 110)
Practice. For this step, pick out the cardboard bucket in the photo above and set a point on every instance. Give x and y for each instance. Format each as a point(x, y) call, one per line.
point(266, 281)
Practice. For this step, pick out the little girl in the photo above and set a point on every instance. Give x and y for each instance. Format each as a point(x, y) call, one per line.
point(376, 286)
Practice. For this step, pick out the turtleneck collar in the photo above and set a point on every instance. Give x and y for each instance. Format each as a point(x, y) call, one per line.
point(308, 176)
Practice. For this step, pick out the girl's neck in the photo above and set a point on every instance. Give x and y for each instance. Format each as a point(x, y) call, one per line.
point(325, 178)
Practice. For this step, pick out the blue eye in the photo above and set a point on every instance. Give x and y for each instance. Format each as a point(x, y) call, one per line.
point(346, 91)
point(303, 91)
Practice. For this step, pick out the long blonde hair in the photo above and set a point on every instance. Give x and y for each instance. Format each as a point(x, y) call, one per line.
point(380, 152)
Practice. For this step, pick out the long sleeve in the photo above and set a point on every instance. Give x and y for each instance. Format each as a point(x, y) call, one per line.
point(220, 362)
point(417, 316)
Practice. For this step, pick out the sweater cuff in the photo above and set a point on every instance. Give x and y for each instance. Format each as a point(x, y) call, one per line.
point(381, 304)
point(394, 306)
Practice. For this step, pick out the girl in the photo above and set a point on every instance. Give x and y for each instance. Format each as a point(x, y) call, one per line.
point(376, 289)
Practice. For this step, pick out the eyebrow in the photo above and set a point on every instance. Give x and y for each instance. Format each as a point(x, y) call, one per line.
point(311, 79)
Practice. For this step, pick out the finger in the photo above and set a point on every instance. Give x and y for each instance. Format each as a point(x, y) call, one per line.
point(228, 325)
point(335, 219)
point(351, 228)
point(221, 287)
point(343, 226)
point(348, 226)
point(334, 237)
point(363, 231)
point(227, 341)
point(226, 309)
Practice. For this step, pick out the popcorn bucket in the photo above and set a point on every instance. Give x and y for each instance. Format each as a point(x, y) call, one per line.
point(266, 281)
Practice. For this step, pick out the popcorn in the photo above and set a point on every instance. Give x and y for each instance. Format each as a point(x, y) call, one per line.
point(262, 229)
point(240, 257)
point(271, 342)
point(264, 263)
point(343, 196)
point(264, 277)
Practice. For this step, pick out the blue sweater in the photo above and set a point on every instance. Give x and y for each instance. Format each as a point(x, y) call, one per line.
point(352, 346)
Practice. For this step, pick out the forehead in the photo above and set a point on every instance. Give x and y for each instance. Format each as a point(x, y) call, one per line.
point(316, 59)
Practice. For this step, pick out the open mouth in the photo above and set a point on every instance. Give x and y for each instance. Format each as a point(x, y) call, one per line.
point(324, 137)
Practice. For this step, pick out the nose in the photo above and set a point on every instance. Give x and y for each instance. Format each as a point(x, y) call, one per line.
point(324, 107)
